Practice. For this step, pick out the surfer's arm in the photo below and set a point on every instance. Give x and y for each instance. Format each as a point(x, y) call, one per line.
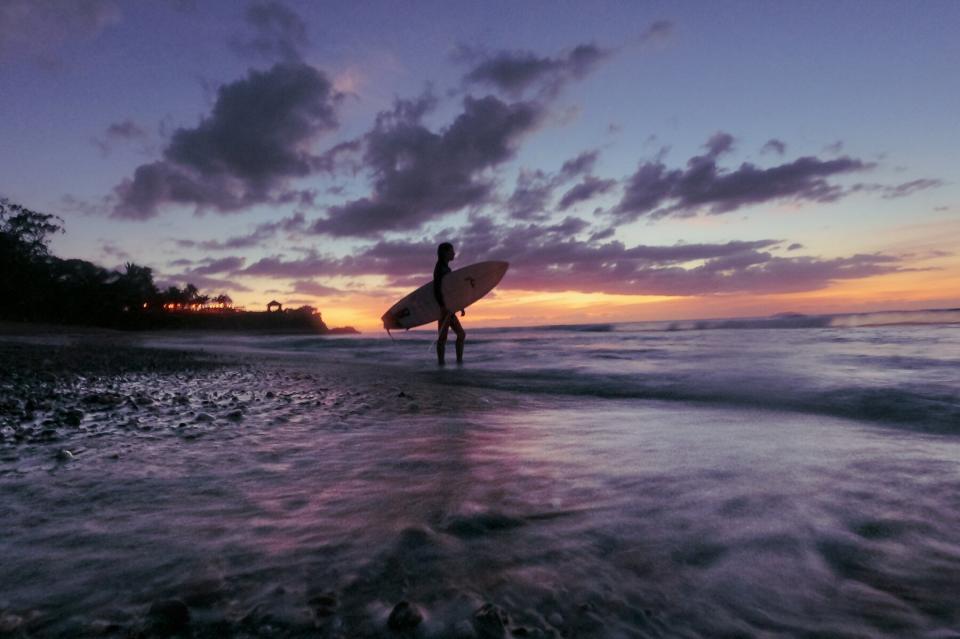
point(437, 289)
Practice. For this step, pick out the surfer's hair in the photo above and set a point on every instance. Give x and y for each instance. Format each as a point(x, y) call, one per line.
point(443, 248)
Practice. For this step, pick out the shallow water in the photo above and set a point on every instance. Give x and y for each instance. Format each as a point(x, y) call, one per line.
point(578, 514)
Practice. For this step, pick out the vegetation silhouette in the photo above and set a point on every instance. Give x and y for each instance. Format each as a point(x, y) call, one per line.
point(36, 286)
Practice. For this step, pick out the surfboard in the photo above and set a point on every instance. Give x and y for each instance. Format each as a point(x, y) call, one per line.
point(461, 288)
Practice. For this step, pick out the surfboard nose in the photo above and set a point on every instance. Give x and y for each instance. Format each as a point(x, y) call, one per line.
point(390, 322)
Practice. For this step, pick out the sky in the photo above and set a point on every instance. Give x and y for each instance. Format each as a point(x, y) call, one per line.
point(632, 161)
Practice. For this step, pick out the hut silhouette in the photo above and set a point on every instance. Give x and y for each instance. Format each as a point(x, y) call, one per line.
point(274, 306)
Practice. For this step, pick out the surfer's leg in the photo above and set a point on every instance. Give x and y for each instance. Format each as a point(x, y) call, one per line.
point(461, 336)
point(443, 327)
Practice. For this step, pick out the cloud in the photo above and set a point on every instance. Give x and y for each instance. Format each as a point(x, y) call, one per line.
point(223, 265)
point(209, 285)
point(124, 131)
point(37, 28)
point(579, 165)
point(279, 33)
point(774, 145)
point(261, 233)
point(419, 174)
point(309, 287)
point(514, 72)
point(110, 249)
point(554, 257)
point(657, 32)
point(909, 188)
point(534, 190)
point(256, 139)
point(553, 260)
point(657, 191)
point(585, 190)
point(531, 196)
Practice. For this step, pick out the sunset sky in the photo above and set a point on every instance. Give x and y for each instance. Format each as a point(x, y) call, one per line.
point(630, 160)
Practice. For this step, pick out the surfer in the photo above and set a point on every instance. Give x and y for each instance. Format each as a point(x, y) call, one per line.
point(445, 255)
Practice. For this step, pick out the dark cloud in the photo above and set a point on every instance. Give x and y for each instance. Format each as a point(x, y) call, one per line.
point(37, 28)
point(774, 145)
point(658, 191)
point(256, 139)
point(279, 33)
point(795, 246)
point(588, 188)
point(514, 72)
point(419, 175)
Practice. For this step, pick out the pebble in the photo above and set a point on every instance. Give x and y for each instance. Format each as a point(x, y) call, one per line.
point(73, 417)
point(235, 415)
point(168, 616)
point(204, 417)
point(324, 605)
point(464, 630)
point(404, 616)
point(490, 621)
point(64, 455)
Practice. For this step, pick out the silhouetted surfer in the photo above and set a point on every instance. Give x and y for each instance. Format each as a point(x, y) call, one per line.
point(445, 255)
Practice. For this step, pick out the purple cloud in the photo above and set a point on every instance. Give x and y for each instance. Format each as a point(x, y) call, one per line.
point(125, 131)
point(309, 287)
point(263, 232)
point(419, 175)
point(658, 191)
point(244, 152)
point(553, 257)
point(531, 197)
point(223, 265)
point(774, 145)
point(514, 72)
point(909, 188)
point(587, 189)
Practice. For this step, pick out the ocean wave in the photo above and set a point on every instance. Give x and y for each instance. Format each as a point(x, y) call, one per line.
point(933, 411)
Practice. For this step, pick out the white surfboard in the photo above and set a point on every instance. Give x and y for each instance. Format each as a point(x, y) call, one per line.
point(461, 288)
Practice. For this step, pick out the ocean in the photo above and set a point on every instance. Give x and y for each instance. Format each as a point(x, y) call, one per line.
point(794, 476)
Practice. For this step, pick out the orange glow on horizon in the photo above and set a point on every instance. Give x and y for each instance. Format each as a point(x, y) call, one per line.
point(939, 286)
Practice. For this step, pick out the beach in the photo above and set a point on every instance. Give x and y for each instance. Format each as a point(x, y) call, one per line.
point(594, 481)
